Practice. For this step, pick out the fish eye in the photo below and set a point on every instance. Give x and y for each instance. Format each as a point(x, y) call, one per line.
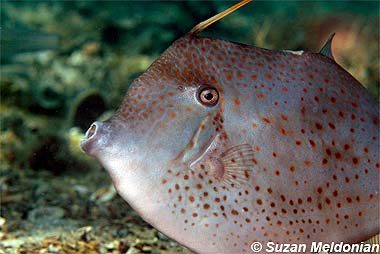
point(208, 96)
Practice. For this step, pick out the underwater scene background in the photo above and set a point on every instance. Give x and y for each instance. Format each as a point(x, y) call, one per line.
point(65, 64)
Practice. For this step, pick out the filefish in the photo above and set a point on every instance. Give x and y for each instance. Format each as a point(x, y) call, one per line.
point(219, 145)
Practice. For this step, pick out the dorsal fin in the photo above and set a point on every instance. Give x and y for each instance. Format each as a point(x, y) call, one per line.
point(326, 49)
point(204, 24)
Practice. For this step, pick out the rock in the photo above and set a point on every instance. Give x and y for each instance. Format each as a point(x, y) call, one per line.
point(104, 195)
point(47, 214)
point(84, 233)
point(133, 250)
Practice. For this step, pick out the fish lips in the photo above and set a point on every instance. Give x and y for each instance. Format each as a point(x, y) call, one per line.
point(95, 139)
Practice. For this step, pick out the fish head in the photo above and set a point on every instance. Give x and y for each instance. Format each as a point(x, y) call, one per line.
point(170, 115)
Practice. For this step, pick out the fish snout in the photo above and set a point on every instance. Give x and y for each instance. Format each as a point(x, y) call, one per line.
point(92, 139)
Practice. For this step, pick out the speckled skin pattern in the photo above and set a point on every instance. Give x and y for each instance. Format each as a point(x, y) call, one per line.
point(288, 154)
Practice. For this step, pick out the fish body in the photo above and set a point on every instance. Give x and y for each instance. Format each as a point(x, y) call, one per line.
point(219, 145)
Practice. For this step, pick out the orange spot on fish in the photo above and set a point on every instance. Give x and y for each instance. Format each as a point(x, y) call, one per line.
point(240, 75)
point(268, 76)
point(338, 155)
point(303, 110)
point(259, 64)
point(234, 212)
point(318, 126)
point(172, 114)
point(260, 96)
point(332, 126)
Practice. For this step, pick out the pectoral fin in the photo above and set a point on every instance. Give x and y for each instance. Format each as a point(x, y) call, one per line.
point(238, 164)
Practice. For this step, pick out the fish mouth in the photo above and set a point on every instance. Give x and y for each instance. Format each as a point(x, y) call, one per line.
point(94, 139)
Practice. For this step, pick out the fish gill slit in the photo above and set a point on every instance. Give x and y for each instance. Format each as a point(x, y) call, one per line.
point(187, 152)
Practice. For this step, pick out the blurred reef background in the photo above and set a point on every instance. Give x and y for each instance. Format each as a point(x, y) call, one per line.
point(66, 63)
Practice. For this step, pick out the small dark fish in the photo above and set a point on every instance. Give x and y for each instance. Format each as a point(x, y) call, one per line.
point(18, 40)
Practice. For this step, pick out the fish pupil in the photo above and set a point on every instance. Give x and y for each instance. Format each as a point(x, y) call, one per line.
point(208, 96)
